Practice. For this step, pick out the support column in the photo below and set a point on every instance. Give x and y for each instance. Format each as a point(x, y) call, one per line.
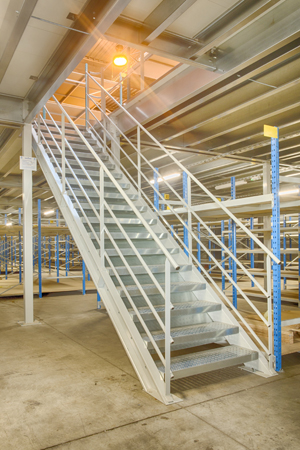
point(267, 219)
point(27, 228)
point(276, 250)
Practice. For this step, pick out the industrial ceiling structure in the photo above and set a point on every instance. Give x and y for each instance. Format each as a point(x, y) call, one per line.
point(205, 76)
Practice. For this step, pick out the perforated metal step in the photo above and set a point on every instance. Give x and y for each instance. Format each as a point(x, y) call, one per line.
point(200, 362)
point(194, 333)
point(198, 307)
point(176, 287)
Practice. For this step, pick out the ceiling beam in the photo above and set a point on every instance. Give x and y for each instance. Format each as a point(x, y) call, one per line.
point(11, 110)
point(95, 18)
point(162, 17)
point(16, 34)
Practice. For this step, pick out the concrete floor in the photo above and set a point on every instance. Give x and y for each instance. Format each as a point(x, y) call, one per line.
point(67, 384)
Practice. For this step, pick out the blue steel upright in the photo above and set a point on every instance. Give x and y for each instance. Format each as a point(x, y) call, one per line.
point(185, 198)
point(284, 254)
point(276, 251)
point(233, 228)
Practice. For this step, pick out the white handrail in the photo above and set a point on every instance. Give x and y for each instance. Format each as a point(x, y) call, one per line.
point(224, 208)
point(140, 216)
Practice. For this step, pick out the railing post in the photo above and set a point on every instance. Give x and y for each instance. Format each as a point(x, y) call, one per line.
point(103, 98)
point(299, 260)
point(20, 250)
point(168, 326)
point(142, 70)
point(234, 268)
point(57, 247)
point(40, 248)
point(63, 154)
point(121, 89)
point(39, 128)
point(276, 249)
point(67, 255)
point(185, 194)
point(86, 97)
point(199, 247)
point(251, 248)
point(102, 218)
point(270, 318)
point(83, 277)
point(139, 160)
point(222, 253)
point(156, 187)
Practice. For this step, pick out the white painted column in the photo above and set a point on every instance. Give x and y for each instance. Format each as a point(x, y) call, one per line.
point(27, 228)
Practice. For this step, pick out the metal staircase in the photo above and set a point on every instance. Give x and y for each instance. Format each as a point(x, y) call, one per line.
point(164, 310)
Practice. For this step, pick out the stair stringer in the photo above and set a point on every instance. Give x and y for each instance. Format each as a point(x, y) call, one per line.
point(129, 335)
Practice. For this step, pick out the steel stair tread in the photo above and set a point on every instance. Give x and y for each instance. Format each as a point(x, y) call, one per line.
point(142, 251)
point(136, 235)
point(215, 358)
point(176, 287)
point(91, 172)
point(124, 208)
point(199, 304)
point(191, 330)
point(92, 193)
point(158, 268)
point(122, 220)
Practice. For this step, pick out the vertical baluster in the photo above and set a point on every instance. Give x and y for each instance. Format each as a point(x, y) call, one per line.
point(168, 326)
point(252, 248)
point(156, 189)
point(139, 160)
point(86, 97)
point(234, 268)
point(199, 247)
point(63, 154)
point(40, 248)
point(20, 250)
point(102, 218)
point(222, 253)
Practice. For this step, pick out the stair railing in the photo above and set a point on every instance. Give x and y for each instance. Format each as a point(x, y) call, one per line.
point(139, 164)
point(63, 163)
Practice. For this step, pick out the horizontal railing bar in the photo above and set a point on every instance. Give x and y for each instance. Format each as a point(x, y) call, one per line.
point(225, 209)
point(149, 229)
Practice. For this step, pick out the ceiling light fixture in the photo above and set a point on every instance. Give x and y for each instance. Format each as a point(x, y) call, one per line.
point(292, 191)
point(9, 224)
point(48, 213)
point(167, 177)
point(228, 185)
point(120, 59)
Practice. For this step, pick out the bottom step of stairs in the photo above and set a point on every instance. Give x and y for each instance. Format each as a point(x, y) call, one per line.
point(206, 361)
